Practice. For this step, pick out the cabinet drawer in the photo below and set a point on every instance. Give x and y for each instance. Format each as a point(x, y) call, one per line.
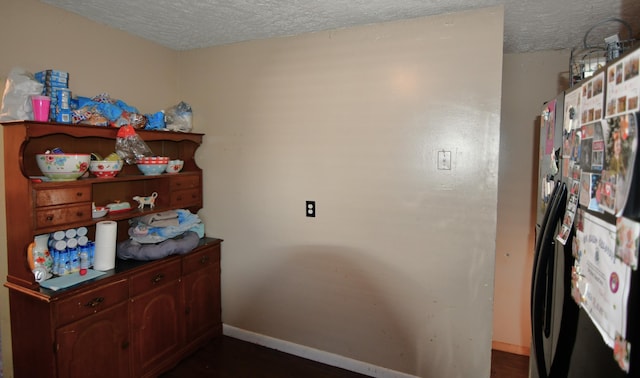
point(185, 182)
point(60, 215)
point(157, 276)
point(201, 259)
point(50, 197)
point(185, 198)
point(90, 302)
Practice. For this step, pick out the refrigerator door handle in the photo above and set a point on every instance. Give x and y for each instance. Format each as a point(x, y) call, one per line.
point(569, 321)
point(540, 280)
point(538, 245)
point(549, 268)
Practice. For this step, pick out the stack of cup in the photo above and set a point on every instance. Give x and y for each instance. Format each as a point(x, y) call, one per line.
point(40, 105)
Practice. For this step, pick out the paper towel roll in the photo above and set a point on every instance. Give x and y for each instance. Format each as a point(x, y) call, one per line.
point(105, 253)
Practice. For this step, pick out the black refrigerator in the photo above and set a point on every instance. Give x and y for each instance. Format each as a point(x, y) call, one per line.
point(585, 293)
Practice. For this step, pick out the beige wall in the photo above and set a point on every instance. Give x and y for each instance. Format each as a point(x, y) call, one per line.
point(304, 118)
point(396, 270)
point(100, 59)
point(528, 80)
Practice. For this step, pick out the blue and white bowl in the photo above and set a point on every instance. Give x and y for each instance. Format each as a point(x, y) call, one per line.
point(152, 169)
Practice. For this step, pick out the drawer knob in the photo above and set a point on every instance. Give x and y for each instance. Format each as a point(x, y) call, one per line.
point(79, 194)
point(79, 214)
point(204, 259)
point(49, 218)
point(94, 302)
point(157, 278)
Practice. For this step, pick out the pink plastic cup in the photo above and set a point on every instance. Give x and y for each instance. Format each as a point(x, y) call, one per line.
point(40, 106)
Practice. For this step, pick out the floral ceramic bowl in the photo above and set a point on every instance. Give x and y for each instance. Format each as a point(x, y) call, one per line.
point(63, 167)
point(105, 168)
point(174, 166)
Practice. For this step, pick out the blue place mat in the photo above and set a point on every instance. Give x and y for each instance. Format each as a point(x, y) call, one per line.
point(69, 280)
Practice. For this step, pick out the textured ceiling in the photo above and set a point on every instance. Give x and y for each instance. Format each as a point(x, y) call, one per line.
point(530, 25)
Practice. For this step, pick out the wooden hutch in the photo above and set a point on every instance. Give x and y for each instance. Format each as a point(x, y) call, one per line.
point(138, 319)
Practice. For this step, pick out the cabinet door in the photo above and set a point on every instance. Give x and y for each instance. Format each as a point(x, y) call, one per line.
point(156, 326)
point(202, 303)
point(96, 346)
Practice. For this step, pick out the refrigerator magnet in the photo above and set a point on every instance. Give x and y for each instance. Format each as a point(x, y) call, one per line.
point(621, 350)
point(627, 240)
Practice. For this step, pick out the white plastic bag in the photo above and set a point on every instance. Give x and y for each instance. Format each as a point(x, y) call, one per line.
point(16, 100)
point(178, 117)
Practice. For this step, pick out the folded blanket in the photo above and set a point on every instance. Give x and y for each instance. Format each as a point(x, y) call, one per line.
point(163, 219)
point(142, 233)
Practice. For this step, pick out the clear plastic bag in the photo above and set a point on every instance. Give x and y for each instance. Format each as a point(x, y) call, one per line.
point(129, 146)
point(16, 100)
point(178, 117)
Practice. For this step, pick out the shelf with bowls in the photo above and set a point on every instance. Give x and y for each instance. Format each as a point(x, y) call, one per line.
point(54, 204)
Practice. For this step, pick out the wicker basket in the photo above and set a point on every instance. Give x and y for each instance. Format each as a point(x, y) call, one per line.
point(589, 58)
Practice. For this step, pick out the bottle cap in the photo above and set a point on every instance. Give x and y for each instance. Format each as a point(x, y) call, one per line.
point(82, 241)
point(60, 245)
point(72, 243)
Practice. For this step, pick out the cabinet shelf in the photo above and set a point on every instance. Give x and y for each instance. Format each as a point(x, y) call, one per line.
point(43, 183)
point(38, 137)
point(117, 217)
point(36, 129)
point(122, 268)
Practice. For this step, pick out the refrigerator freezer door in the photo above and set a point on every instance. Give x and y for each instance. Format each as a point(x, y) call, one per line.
point(553, 313)
point(591, 356)
point(550, 152)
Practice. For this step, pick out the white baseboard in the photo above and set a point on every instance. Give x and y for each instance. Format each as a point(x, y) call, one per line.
point(312, 353)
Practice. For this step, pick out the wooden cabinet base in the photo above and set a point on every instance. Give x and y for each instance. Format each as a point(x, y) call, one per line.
point(93, 330)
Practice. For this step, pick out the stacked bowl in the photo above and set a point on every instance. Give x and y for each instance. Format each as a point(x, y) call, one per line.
point(152, 165)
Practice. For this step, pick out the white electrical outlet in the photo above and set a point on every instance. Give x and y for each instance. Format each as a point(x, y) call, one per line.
point(444, 160)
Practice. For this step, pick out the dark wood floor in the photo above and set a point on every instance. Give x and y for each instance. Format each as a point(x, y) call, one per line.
point(508, 365)
point(227, 357)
